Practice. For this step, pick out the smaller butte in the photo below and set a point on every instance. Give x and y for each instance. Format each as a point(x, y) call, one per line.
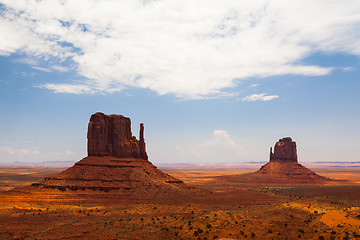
point(282, 168)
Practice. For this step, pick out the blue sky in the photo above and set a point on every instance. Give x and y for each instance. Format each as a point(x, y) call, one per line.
point(213, 82)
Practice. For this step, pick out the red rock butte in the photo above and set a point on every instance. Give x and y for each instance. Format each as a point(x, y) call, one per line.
point(284, 166)
point(116, 161)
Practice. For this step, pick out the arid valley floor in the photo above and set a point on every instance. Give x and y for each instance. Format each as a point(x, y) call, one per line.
point(231, 210)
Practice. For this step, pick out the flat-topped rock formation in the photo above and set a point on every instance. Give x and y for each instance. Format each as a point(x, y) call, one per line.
point(284, 150)
point(110, 135)
point(116, 161)
point(283, 168)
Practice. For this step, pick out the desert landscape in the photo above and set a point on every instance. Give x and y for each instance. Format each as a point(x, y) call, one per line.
point(179, 119)
point(235, 211)
point(116, 193)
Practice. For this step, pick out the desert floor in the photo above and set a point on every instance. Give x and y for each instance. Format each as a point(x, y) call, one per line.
point(232, 211)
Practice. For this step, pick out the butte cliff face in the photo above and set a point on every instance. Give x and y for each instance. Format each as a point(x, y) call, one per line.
point(284, 150)
point(110, 135)
point(116, 161)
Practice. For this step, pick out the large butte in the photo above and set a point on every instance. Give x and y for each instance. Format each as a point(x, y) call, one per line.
point(116, 161)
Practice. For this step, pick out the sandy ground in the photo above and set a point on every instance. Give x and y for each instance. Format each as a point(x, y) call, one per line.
point(232, 211)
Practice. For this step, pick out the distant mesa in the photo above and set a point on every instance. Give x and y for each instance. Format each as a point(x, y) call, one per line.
point(116, 161)
point(283, 164)
point(283, 167)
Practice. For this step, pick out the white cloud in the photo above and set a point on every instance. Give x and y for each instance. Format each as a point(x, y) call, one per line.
point(259, 97)
point(193, 49)
point(41, 69)
point(11, 154)
point(22, 152)
point(221, 148)
point(59, 68)
point(78, 88)
point(28, 61)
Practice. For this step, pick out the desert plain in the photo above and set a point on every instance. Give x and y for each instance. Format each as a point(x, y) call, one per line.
point(224, 210)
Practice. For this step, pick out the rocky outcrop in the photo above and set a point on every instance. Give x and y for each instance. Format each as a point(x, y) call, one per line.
point(110, 135)
point(116, 161)
point(284, 167)
point(284, 150)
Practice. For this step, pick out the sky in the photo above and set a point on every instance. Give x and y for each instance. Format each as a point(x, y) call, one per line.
point(213, 81)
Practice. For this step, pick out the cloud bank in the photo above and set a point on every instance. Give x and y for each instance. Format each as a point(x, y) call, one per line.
point(193, 49)
point(8, 154)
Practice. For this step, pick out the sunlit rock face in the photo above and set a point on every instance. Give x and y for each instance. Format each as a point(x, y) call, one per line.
point(110, 135)
point(284, 150)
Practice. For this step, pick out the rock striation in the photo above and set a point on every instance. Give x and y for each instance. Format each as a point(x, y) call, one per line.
point(116, 161)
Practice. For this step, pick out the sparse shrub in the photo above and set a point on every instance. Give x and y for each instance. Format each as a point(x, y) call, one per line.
point(299, 235)
point(215, 237)
point(176, 234)
point(285, 224)
point(321, 237)
point(333, 232)
point(270, 231)
point(301, 230)
point(242, 232)
point(208, 225)
point(252, 234)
